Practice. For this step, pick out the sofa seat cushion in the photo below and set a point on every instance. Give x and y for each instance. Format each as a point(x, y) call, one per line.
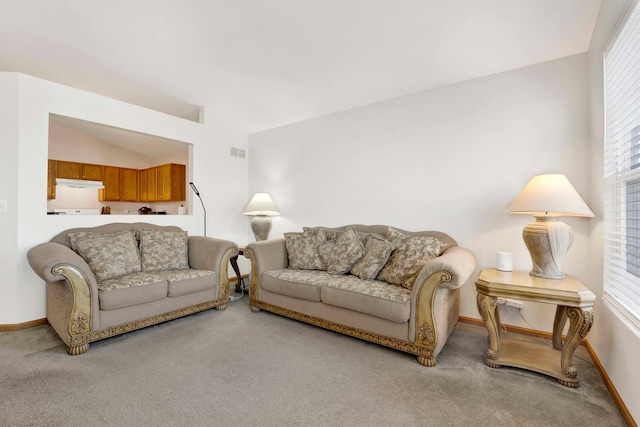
point(301, 284)
point(372, 297)
point(183, 282)
point(132, 289)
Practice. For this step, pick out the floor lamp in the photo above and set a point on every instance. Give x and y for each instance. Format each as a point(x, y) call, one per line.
point(195, 190)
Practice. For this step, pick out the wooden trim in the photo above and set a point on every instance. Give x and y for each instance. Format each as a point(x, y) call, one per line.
point(25, 325)
point(624, 411)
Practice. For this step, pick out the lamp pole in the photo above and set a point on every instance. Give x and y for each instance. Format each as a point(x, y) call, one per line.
point(195, 190)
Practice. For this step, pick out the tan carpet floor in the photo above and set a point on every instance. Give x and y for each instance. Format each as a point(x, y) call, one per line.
point(237, 368)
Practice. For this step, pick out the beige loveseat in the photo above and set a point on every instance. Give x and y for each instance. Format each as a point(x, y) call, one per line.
point(115, 278)
point(388, 286)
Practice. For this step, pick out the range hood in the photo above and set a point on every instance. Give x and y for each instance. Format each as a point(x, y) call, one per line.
point(79, 183)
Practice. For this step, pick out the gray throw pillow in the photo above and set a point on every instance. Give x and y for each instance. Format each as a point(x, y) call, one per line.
point(163, 250)
point(378, 251)
point(410, 253)
point(109, 255)
point(302, 249)
point(341, 254)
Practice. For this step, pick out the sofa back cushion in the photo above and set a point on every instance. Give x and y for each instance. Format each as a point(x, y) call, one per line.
point(163, 250)
point(114, 227)
point(302, 250)
point(341, 253)
point(378, 250)
point(109, 255)
point(411, 253)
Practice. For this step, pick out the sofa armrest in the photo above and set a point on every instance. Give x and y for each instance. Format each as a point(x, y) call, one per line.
point(44, 259)
point(267, 255)
point(457, 261)
point(208, 253)
point(75, 313)
point(435, 313)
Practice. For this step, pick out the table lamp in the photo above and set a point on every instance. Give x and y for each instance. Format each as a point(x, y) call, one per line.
point(261, 207)
point(547, 198)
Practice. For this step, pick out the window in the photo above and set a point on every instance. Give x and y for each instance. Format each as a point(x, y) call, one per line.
point(622, 171)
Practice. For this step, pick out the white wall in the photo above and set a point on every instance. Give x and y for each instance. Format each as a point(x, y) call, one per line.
point(615, 344)
point(26, 103)
point(448, 159)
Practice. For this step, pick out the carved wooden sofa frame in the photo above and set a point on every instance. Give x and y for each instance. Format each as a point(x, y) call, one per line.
point(72, 295)
point(434, 299)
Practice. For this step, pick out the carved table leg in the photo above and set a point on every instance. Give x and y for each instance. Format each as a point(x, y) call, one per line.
point(487, 306)
point(580, 321)
point(558, 325)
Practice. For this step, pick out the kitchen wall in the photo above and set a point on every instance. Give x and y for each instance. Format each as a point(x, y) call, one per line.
point(26, 104)
point(448, 159)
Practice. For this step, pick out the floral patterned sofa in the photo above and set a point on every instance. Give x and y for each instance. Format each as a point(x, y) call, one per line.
point(382, 284)
point(115, 278)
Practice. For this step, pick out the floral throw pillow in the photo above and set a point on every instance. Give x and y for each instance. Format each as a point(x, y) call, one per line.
point(109, 255)
point(378, 251)
point(163, 250)
point(302, 249)
point(410, 252)
point(341, 254)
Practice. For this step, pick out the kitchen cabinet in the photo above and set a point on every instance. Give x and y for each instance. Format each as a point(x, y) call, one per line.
point(70, 170)
point(165, 183)
point(129, 185)
point(148, 185)
point(52, 173)
point(75, 170)
point(144, 185)
point(92, 172)
point(120, 185)
point(170, 182)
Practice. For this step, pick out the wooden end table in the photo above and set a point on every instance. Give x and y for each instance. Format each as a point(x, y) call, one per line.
point(574, 301)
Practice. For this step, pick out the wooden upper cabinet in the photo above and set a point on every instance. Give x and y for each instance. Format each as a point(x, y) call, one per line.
point(144, 185)
point(92, 172)
point(70, 170)
point(111, 181)
point(75, 170)
point(166, 183)
point(52, 173)
point(129, 185)
point(120, 185)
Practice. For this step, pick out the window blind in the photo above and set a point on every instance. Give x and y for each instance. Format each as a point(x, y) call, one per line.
point(621, 278)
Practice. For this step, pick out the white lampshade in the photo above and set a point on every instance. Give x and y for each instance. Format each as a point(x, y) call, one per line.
point(261, 204)
point(548, 197)
point(550, 194)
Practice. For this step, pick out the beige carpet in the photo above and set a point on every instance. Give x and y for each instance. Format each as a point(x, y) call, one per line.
point(237, 368)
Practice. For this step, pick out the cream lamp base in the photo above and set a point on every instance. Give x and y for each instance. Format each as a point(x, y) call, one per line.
point(548, 240)
point(261, 226)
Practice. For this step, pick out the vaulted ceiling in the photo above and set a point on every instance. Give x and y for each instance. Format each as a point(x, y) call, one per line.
point(262, 64)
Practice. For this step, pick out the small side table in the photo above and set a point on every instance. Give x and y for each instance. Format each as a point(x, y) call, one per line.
point(240, 286)
point(574, 301)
